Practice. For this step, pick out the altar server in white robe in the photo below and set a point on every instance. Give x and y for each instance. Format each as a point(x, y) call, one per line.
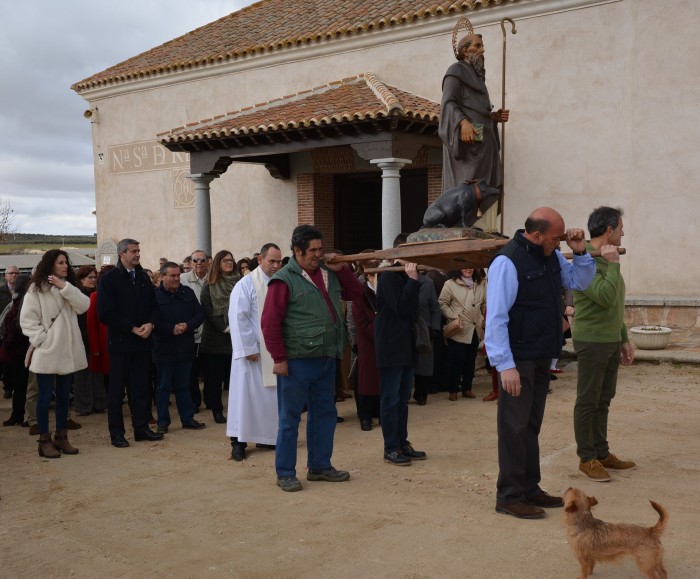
point(252, 402)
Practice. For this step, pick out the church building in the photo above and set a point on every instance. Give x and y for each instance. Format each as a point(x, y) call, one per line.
point(292, 111)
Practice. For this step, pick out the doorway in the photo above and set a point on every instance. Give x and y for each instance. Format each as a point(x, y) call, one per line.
point(358, 207)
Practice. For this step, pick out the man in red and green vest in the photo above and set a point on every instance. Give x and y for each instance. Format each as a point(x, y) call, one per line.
point(303, 328)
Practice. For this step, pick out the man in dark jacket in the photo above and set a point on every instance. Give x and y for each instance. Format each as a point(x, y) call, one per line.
point(397, 308)
point(176, 317)
point(125, 302)
point(523, 334)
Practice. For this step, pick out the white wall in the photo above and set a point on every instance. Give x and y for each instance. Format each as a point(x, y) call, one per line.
point(604, 105)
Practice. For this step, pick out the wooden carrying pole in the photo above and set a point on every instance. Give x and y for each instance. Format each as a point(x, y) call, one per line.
point(444, 255)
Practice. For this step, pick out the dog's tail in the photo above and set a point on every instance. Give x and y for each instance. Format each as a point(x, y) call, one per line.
point(659, 527)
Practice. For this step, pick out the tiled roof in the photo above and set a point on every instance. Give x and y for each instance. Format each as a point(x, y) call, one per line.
point(271, 25)
point(338, 107)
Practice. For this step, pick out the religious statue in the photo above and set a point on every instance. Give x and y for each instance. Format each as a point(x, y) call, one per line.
point(468, 124)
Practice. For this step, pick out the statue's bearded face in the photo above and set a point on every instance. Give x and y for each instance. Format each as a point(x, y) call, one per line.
point(474, 54)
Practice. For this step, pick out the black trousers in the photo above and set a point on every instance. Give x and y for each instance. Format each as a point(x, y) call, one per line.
point(195, 392)
point(462, 363)
point(130, 370)
point(217, 373)
point(15, 379)
point(519, 423)
point(421, 386)
point(367, 406)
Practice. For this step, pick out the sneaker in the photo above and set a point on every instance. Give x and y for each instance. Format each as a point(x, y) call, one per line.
point(409, 452)
point(162, 428)
point(594, 470)
point(520, 510)
point(611, 461)
point(288, 484)
point(545, 500)
point(328, 475)
point(396, 458)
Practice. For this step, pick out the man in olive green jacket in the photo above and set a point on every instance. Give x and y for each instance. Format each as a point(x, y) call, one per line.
point(601, 343)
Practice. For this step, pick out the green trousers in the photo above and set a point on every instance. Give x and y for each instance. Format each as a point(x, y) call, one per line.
point(597, 382)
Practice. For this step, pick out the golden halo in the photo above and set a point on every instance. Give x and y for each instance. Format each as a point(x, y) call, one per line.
point(462, 24)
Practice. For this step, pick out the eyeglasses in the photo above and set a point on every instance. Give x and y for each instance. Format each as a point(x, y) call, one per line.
point(90, 277)
point(198, 259)
point(227, 261)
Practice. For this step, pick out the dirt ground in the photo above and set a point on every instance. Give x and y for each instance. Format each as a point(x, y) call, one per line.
point(181, 508)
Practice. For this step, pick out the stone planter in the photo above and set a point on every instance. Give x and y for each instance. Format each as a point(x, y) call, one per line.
point(650, 337)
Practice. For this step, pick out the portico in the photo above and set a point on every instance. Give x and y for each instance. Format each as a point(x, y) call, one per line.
point(355, 125)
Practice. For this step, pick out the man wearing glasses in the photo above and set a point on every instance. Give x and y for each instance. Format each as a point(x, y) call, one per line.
point(195, 280)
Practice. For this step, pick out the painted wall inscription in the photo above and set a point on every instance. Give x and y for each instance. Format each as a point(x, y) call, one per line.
point(152, 156)
point(144, 156)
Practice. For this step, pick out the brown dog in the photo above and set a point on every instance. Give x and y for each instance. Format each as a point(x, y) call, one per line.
point(594, 540)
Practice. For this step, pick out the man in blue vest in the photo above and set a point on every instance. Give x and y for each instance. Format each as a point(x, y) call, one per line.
point(523, 334)
point(302, 324)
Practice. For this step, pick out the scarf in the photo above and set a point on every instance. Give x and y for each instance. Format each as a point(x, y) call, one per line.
point(221, 294)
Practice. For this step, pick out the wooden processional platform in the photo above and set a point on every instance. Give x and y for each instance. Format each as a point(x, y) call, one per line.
point(439, 248)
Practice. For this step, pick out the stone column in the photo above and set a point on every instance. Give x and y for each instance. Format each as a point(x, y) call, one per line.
point(202, 210)
point(391, 197)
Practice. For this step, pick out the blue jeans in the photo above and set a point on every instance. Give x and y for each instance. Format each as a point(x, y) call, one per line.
point(45, 384)
point(395, 391)
point(174, 376)
point(311, 381)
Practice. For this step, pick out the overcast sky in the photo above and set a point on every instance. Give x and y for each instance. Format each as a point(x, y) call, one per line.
point(46, 167)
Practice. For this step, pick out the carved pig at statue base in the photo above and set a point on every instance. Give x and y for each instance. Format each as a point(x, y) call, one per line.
point(462, 205)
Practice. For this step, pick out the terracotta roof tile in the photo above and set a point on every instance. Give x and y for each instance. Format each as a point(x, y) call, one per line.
point(359, 98)
point(272, 25)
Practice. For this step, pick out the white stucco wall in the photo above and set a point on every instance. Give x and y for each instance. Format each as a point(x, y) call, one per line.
point(604, 105)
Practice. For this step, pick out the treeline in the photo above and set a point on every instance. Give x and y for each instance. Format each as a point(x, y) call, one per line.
point(39, 239)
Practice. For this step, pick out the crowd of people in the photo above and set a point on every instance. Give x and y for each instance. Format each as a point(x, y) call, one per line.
point(276, 332)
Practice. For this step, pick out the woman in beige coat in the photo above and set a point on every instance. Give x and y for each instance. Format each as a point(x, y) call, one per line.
point(463, 296)
point(49, 318)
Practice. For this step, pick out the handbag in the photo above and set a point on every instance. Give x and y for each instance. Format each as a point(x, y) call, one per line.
point(452, 327)
point(421, 337)
point(28, 356)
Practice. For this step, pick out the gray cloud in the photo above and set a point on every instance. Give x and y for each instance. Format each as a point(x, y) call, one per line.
point(46, 171)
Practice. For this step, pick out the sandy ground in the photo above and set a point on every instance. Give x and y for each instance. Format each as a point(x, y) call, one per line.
point(181, 508)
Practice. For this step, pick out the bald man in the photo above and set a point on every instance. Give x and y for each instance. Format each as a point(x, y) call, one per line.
point(523, 334)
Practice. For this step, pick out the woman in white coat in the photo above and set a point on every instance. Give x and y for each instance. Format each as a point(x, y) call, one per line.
point(49, 318)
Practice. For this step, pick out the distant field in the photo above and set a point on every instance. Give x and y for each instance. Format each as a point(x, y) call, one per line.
point(20, 247)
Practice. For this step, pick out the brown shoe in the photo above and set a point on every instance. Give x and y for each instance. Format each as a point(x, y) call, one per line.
point(453, 396)
point(73, 425)
point(546, 501)
point(491, 396)
point(60, 442)
point(33, 430)
point(611, 461)
point(594, 470)
point(46, 447)
point(520, 510)
point(468, 394)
